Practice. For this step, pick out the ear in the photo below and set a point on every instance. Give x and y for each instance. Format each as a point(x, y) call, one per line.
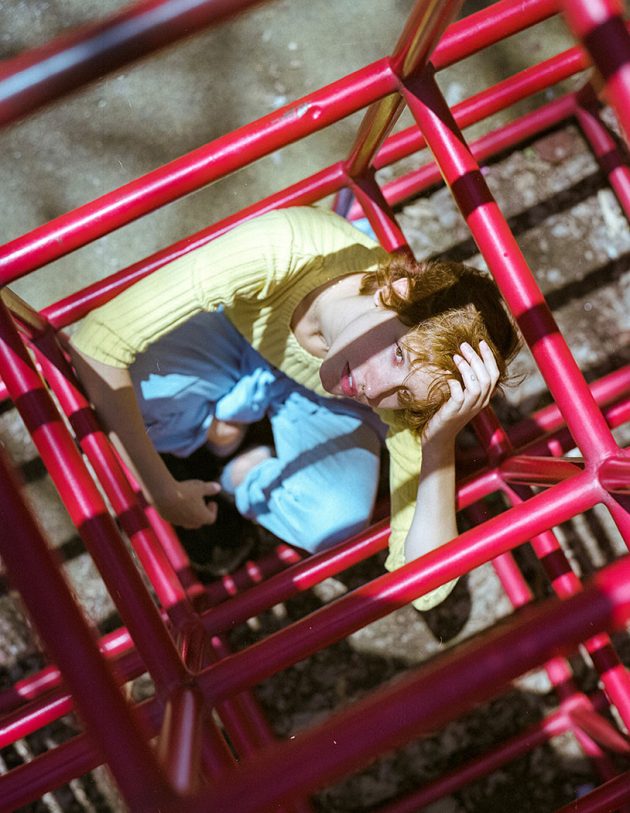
point(402, 289)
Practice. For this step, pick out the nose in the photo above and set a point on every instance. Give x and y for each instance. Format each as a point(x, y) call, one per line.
point(380, 380)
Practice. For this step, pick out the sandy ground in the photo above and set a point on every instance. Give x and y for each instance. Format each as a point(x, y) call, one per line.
point(567, 221)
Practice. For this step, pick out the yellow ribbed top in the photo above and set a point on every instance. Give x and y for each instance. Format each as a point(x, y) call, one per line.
point(259, 272)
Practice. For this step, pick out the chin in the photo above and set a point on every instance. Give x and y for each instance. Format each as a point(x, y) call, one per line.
point(326, 383)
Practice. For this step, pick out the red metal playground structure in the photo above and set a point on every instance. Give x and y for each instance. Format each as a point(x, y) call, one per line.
point(169, 753)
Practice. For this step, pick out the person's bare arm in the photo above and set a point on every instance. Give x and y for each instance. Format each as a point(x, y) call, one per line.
point(111, 391)
point(434, 520)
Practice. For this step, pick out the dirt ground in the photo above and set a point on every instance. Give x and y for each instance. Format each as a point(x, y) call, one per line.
point(572, 232)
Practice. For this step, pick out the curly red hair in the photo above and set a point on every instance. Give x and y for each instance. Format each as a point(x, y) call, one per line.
point(445, 304)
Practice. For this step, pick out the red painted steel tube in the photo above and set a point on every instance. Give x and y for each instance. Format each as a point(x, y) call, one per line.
point(81, 226)
point(378, 212)
point(86, 507)
point(488, 26)
point(194, 170)
point(296, 579)
point(179, 744)
point(492, 100)
point(36, 715)
point(444, 688)
point(510, 270)
point(125, 504)
point(598, 728)
point(506, 18)
point(600, 26)
point(33, 686)
point(39, 76)
point(34, 572)
point(608, 797)
point(29, 717)
point(77, 305)
point(251, 574)
point(425, 24)
point(606, 148)
point(393, 590)
point(548, 420)
point(614, 475)
point(484, 148)
point(67, 761)
point(480, 767)
point(538, 471)
point(423, 29)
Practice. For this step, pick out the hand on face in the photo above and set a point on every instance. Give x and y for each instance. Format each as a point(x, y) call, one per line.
point(480, 375)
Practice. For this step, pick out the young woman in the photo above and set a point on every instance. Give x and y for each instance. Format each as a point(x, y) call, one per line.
point(272, 319)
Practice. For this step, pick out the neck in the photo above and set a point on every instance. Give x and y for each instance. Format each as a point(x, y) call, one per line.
point(319, 317)
point(335, 304)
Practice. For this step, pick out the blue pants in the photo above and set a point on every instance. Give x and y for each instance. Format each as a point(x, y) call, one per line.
point(320, 486)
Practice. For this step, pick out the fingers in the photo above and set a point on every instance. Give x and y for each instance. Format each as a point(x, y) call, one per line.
point(189, 506)
point(210, 488)
point(479, 372)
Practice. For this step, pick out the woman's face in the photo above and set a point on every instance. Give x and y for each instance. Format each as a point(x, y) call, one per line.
point(368, 362)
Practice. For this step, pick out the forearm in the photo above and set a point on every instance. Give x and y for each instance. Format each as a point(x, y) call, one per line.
point(434, 520)
point(111, 391)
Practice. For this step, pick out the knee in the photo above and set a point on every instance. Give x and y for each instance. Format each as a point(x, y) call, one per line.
point(327, 519)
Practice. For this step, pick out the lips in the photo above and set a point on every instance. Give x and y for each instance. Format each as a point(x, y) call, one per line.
point(348, 387)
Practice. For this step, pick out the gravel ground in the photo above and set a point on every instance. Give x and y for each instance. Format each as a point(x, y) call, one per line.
point(570, 228)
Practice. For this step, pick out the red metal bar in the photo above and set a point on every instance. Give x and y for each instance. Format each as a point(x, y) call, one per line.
point(196, 169)
point(614, 475)
point(600, 26)
point(452, 781)
point(333, 178)
point(179, 745)
point(34, 572)
point(548, 420)
point(488, 26)
point(125, 504)
point(492, 100)
point(607, 150)
point(29, 717)
point(75, 757)
point(33, 686)
point(425, 24)
point(538, 471)
point(77, 228)
point(509, 268)
point(39, 76)
point(393, 590)
point(607, 797)
point(446, 687)
point(516, 132)
point(296, 579)
point(378, 212)
point(598, 728)
point(86, 506)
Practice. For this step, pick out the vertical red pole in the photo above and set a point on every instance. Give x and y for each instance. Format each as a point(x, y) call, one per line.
point(509, 268)
point(86, 506)
point(34, 572)
point(600, 26)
